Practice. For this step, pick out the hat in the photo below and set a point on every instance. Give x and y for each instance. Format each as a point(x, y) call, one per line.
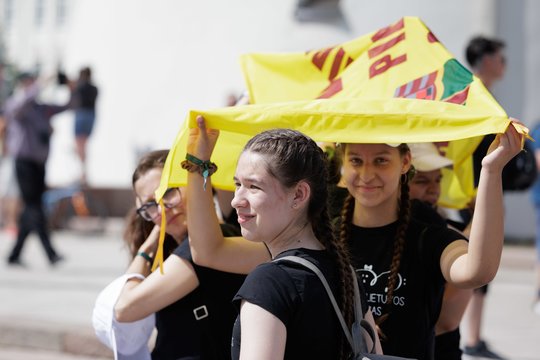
point(426, 157)
point(128, 340)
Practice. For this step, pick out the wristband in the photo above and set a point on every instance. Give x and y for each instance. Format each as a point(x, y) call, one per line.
point(194, 164)
point(146, 257)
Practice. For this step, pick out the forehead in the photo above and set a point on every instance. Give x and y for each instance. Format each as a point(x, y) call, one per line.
point(370, 149)
point(147, 184)
point(251, 164)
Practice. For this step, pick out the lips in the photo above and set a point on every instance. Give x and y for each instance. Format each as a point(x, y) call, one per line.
point(243, 218)
point(368, 189)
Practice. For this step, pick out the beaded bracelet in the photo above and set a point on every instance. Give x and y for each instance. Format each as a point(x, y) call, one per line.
point(194, 164)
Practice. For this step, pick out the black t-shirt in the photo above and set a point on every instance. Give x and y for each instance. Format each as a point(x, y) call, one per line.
point(296, 296)
point(184, 330)
point(86, 95)
point(418, 294)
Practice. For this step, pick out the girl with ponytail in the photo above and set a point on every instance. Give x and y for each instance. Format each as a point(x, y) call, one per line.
point(281, 199)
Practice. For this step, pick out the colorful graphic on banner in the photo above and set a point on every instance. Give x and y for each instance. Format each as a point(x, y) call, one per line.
point(403, 60)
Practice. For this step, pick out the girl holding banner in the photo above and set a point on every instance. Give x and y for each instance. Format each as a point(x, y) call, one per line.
point(281, 200)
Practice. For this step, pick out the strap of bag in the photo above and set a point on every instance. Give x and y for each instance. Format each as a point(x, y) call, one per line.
point(355, 338)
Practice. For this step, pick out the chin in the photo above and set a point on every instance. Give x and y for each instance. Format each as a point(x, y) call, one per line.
point(248, 235)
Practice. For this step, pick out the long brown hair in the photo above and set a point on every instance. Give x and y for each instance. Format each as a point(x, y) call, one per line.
point(293, 157)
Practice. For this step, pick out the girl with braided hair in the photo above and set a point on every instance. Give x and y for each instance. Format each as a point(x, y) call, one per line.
point(281, 200)
point(403, 262)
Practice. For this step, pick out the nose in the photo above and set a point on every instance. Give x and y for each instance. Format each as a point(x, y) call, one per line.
point(365, 173)
point(238, 200)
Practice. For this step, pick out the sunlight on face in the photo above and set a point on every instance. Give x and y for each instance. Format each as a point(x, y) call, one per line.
point(263, 205)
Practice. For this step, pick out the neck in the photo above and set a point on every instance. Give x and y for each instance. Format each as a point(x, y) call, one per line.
point(486, 79)
point(377, 216)
point(301, 237)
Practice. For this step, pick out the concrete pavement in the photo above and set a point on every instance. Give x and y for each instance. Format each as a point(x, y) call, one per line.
point(46, 311)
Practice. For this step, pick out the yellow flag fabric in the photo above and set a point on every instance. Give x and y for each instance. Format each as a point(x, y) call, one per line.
point(398, 84)
point(339, 120)
point(402, 60)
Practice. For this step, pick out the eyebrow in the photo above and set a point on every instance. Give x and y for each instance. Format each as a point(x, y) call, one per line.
point(250, 180)
point(383, 152)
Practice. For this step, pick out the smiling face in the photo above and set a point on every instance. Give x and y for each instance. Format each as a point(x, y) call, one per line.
point(263, 204)
point(372, 172)
point(145, 187)
point(426, 186)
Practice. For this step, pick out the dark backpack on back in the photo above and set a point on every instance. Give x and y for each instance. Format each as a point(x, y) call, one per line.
point(520, 172)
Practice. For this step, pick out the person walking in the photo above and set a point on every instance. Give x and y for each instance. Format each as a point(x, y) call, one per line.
point(29, 133)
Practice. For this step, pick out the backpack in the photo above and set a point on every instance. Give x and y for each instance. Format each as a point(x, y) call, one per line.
point(520, 172)
point(360, 328)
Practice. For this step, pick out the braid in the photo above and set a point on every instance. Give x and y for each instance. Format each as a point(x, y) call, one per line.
point(339, 252)
point(346, 219)
point(399, 243)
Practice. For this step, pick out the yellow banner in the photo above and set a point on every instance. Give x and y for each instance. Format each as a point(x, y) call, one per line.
point(402, 60)
point(333, 120)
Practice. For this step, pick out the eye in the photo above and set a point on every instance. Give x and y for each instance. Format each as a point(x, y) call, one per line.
point(355, 161)
point(254, 187)
point(381, 161)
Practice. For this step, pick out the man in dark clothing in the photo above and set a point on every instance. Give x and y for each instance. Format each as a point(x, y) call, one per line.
point(29, 131)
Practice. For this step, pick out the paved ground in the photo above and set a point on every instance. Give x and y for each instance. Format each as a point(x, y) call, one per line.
point(45, 313)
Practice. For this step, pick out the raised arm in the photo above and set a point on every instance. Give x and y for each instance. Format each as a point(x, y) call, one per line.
point(208, 246)
point(477, 263)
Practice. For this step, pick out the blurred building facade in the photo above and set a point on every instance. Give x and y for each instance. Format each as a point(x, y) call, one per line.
point(153, 61)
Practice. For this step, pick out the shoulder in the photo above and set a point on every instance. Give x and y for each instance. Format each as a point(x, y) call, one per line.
point(425, 213)
point(184, 251)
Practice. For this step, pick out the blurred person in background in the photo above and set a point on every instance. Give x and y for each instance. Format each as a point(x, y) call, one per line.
point(29, 133)
point(84, 104)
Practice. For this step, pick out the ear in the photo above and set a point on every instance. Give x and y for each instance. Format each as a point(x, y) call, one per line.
point(407, 162)
point(302, 193)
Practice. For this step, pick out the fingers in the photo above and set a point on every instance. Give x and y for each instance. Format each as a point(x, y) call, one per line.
point(201, 123)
